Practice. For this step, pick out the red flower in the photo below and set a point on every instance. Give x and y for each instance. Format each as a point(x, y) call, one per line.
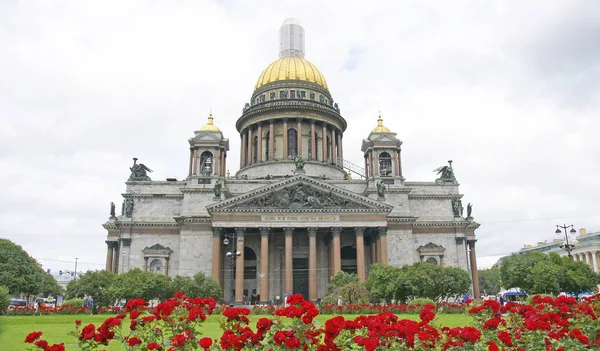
point(78, 322)
point(134, 341)
point(292, 343)
point(492, 346)
point(505, 338)
point(178, 340)
point(33, 336)
point(56, 347)
point(154, 346)
point(205, 343)
point(42, 344)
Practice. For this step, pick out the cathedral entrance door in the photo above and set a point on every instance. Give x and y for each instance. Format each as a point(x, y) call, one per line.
point(300, 276)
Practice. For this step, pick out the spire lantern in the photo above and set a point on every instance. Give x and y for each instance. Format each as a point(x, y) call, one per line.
point(380, 127)
point(210, 127)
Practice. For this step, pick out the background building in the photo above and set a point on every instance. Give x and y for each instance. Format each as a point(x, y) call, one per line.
point(296, 210)
point(586, 248)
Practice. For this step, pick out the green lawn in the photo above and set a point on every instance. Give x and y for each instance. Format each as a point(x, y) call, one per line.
point(13, 329)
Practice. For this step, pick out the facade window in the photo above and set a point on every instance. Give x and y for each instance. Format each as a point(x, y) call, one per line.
point(262, 98)
point(255, 149)
point(156, 266)
point(292, 94)
point(206, 159)
point(292, 143)
point(249, 263)
point(312, 96)
point(321, 98)
point(328, 148)
point(302, 94)
point(385, 164)
point(432, 260)
point(272, 95)
point(283, 94)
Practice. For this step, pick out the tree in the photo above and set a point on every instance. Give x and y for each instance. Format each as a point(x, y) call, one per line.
point(198, 286)
point(49, 286)
point(577, 277)
point(381, 282)
point(516, 269)
point(452, 282)
point(95, 284)
point(354, 293)
point(489, 281)
point(137, 283)
point(337, 282)
point(546, 278)
point(19, 272)
point(422, 277)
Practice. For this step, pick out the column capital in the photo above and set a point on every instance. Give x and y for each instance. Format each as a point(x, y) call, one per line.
point(360, 231)
point(240, 232)
point(471, 243)
point(126, 241)
point(312, 232)
point(336, 231)
point(272, 121)
point(288, 231)
point(216, 231)
point(264, 231)
point(299, 119)
point(382, 231)
point(460, 240)
point(313, 121)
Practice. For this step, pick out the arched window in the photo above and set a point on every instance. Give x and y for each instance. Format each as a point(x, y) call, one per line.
point(432, 260)
point(328, 148)
point(156, 266)
point(385, 164)
point(292, 143)
point(249, 263)
point(206, 164)
point(255, 149)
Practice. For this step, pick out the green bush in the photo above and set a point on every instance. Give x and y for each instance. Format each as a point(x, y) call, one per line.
point(421, 301)
point(4, 298)
point(530, 297)
point(73, 302)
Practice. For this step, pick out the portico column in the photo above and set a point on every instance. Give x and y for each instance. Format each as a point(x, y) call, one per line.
point(191, 161)
point(109, 255)
point(373, 246)
point(324, 141)
point(592, 261)
point(337, 260)
point(289, 278)
point(299, 136)
point(260, 153)
point(239, 268)
point(383, 253)
point(313, 141)
point(216, 254)
point(312, 264)
point(272, 141)
point(249, 148)
point(474, 273)
point(115, 262)
point(244, 152)
point(597, 256)
point(285, 139)
point(360, 253)
point(264, 265)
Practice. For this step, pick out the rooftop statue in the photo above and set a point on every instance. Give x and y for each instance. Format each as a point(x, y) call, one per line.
point(299, 162)
point(380, 189)
point(138, 171)
point(447, 173)
point(217, 189)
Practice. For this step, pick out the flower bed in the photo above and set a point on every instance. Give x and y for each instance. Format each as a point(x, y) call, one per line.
point(547, 324)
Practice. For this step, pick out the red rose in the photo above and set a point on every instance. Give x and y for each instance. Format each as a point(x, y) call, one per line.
point(134, 341)
point(56, 347)
point(42, 344)
point(33, 336)
point(154, 346)
point(205, 343)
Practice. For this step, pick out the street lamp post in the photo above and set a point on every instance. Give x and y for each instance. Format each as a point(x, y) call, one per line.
point(232, 255)
point(75, 275)
point(566, 245)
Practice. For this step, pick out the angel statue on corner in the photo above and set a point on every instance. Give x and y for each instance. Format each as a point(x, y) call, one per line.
point(138, 171)
point(447, 173)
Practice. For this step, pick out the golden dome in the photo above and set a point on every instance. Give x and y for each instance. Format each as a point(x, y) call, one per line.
point(210, 127)
point(291, 68)
point(380, 127)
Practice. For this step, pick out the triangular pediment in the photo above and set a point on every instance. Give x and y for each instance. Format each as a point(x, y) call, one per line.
point(207, 136)
point(300, 194)
point(383, 138)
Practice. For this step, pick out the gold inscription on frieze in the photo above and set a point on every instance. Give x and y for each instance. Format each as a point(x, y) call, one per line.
point(302, 218)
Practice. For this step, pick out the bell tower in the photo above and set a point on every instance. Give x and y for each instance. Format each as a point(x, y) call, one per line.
point(382, 155)
point(208, 152)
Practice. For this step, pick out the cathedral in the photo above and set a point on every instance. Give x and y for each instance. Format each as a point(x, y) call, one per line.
point(296, 211)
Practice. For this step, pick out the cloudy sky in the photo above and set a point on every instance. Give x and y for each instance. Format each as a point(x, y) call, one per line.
point(507, 89)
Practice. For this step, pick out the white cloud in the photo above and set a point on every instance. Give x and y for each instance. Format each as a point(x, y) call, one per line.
point(505, 88)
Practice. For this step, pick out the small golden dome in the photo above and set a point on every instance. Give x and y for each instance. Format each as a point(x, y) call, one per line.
point(210, 127)
point(291, 68)
point(380, 127)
